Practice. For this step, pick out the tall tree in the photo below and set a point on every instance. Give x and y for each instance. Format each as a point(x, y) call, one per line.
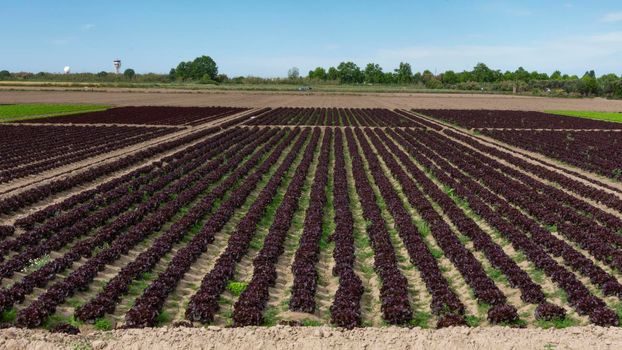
point(373, 73)
point(129, 74)
point(404, 73)
point(557, 75)
point(349, 73)
point(318, 73)
point(481, 73)
point(449, 77)
point(332, 74)
point(202, 67)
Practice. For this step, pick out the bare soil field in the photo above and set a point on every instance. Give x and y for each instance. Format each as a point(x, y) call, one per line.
point(303, 338)
point(163, 97)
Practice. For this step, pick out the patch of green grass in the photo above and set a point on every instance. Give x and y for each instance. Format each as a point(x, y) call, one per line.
point(552, 228)
point(483, 308)
point(557, 323)
point(496, 275)
point(472, 321)
point(423, 228)
point(163, 317)
point(36, 264)
point(103, 324)
point(9, 113)
point(236, 288)
point(537, 275)
point(519, 257)
point(420, 319)
point(269, 317)
point(618, 309)
point(57, 319)
point(137, 287)
point(8, 316)
point(607, 116)
point(75, 302)
point(436, 253)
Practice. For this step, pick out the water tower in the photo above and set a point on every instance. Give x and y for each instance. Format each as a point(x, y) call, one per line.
point(67, 69)
point(117, 66)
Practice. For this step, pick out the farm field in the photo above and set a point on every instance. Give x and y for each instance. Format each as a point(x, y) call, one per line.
point(11, 113)
point(315, 216)
point(611, 116)
point(191, 98)
point(592, 145)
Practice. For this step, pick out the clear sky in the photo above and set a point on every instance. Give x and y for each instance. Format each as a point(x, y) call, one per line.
point(265, 38)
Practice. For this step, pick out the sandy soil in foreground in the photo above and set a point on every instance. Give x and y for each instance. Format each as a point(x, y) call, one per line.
point(303, 338)
point(129, 97)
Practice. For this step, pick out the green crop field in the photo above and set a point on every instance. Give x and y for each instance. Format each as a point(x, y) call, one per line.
point(9, 113)
point(609, 116)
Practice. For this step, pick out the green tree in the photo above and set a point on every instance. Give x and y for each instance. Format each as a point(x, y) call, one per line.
point(129, 74)
point(349, 73)
point(333, 74)
point(509, 76)
point(481, 73)
point(102, 74)
point(449, 77)
point(389, 78)
point(222, 78)
point(557, 75)
point(404, 73)
point(172, 74)
point(201, 68)
point(318, 73)
point(183, 70)
point(589, 84)
point(426, 76)
point(538, 76)
point(373, 73)
point(5, 74)
point(521, 74)
point(417, 78)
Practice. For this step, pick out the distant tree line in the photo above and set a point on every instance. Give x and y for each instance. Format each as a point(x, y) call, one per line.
point(481, 78)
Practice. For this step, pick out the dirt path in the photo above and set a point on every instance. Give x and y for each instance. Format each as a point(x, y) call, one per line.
point(303, 338)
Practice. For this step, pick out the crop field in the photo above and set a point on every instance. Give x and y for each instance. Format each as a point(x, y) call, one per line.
point(349, 217)
point(147, 115)
point(592, 145)
point(16, 112)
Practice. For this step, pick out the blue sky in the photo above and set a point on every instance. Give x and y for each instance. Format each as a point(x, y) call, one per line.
point(265, 38)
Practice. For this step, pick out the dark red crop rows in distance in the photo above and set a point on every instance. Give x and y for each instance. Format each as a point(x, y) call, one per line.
point(28, 150)
point(147, 115)
point(477, 119)
point(596, 151)
point(335, 117)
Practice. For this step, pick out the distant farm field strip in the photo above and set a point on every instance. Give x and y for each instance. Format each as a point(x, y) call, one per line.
point(10, 113)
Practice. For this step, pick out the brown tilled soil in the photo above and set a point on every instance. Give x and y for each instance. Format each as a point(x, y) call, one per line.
point(303, 338)
point(159, 97)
